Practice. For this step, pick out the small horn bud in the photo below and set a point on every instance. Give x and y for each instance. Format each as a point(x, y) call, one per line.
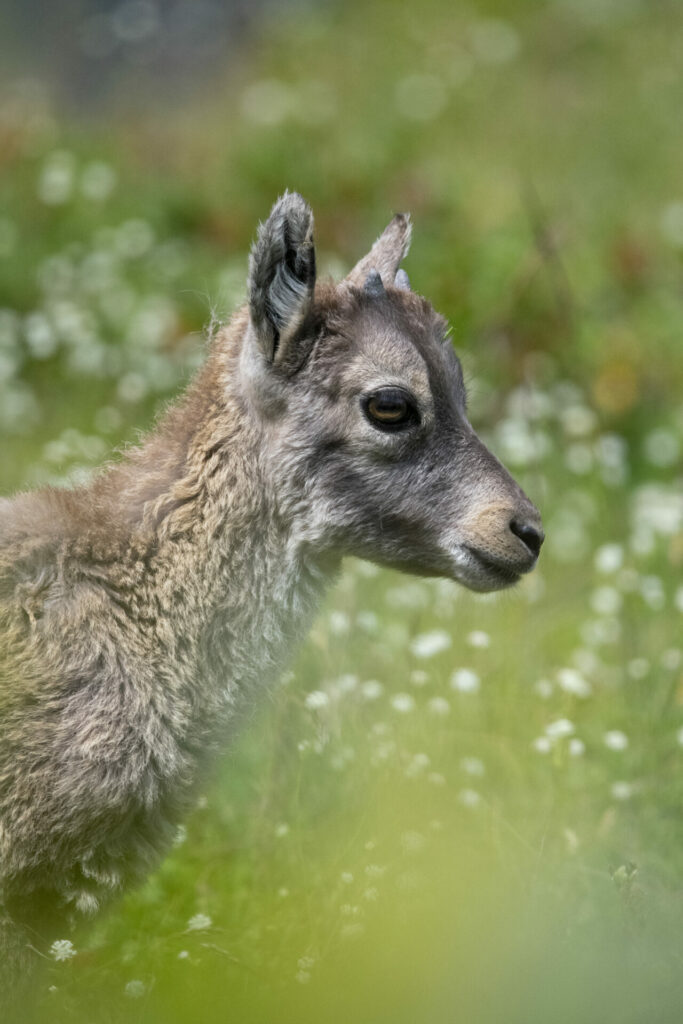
point(373, 284)
point(401, 281)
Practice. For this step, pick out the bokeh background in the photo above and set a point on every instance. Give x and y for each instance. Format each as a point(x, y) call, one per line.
point(453, 807)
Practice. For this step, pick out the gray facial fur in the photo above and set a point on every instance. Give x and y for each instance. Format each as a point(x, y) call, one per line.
point(141, 614)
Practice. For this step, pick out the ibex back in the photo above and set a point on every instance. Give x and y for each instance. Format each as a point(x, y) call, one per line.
point(140, 613)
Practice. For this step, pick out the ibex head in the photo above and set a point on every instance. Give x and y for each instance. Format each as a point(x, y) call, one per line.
point(362, 403)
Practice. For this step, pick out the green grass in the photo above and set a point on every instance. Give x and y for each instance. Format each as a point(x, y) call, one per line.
point(407, 851)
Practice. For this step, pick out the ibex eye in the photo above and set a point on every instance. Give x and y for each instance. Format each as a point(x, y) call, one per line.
point(390, 409)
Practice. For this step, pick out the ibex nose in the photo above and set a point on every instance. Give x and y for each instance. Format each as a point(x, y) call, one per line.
point(529, 532)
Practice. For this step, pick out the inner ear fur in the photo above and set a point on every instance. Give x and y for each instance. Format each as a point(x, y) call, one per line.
point(281, 279)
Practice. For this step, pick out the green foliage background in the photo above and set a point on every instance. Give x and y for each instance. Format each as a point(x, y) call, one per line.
point(419, 843)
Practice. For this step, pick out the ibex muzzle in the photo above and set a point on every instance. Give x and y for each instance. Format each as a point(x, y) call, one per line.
point(140, 613)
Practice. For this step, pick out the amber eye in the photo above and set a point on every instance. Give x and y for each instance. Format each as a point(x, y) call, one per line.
point(390, 409)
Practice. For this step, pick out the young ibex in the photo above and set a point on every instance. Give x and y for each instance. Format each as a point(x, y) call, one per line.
point(139, 613)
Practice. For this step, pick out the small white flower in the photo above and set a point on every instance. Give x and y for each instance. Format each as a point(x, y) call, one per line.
point(596, 632)
point(578, 458)
point(371, 894)
point(606, 601)
point(135, 989)
point(612, 450)
point(368, 621)
point(41, 338)
point(576, 747)
point(465, 680)
point(469, 798)
point(638, 668)
point(374, 870)
point(615, 740)
point(316, 700)
point(419, 677)
point(281, 830)
point(381, 729)
point(132, 387)
point(478, 638)
point(305, 963)
point(494, 41)
point(426, 645)
point(658, 509)
point(267, 102)
point(652, 591)
point(662, 448)
point(62, 949)
point(542, 745)
point(199, 923)
point(622, 790)
point(372, 689)
point(134, 238)
point(346, 877)
point(439, 706)
point(346, 683)
point(609, 558)
point(303, 977)
point(340, 624)
point(544, 688)
point(585, 660)
point(572, 681)
point(643, 540)
point(473, 766)
point(383, 752)
point(559, 728)
point(436, 779)
point(413, 842)
point(402, 702)
point(671, 658)
point(56, 181)
point(98, 180)
point(183, 955)
point(578, 420)
point(571, 839)
point(417, 765)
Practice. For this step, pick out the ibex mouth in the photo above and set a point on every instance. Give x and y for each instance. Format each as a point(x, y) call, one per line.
point(492, 573)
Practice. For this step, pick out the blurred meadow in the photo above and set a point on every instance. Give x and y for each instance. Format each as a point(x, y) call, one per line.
point(454, 808)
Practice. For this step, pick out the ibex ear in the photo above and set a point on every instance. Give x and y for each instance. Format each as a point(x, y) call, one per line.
point(282, 276)
point(386, 254)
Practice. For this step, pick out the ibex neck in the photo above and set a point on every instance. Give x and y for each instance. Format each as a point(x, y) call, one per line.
point(222, 571)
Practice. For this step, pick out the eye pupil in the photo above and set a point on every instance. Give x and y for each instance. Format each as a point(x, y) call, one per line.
point(390, 407)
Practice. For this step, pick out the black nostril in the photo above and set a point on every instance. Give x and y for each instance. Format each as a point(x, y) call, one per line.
point(530, 535)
